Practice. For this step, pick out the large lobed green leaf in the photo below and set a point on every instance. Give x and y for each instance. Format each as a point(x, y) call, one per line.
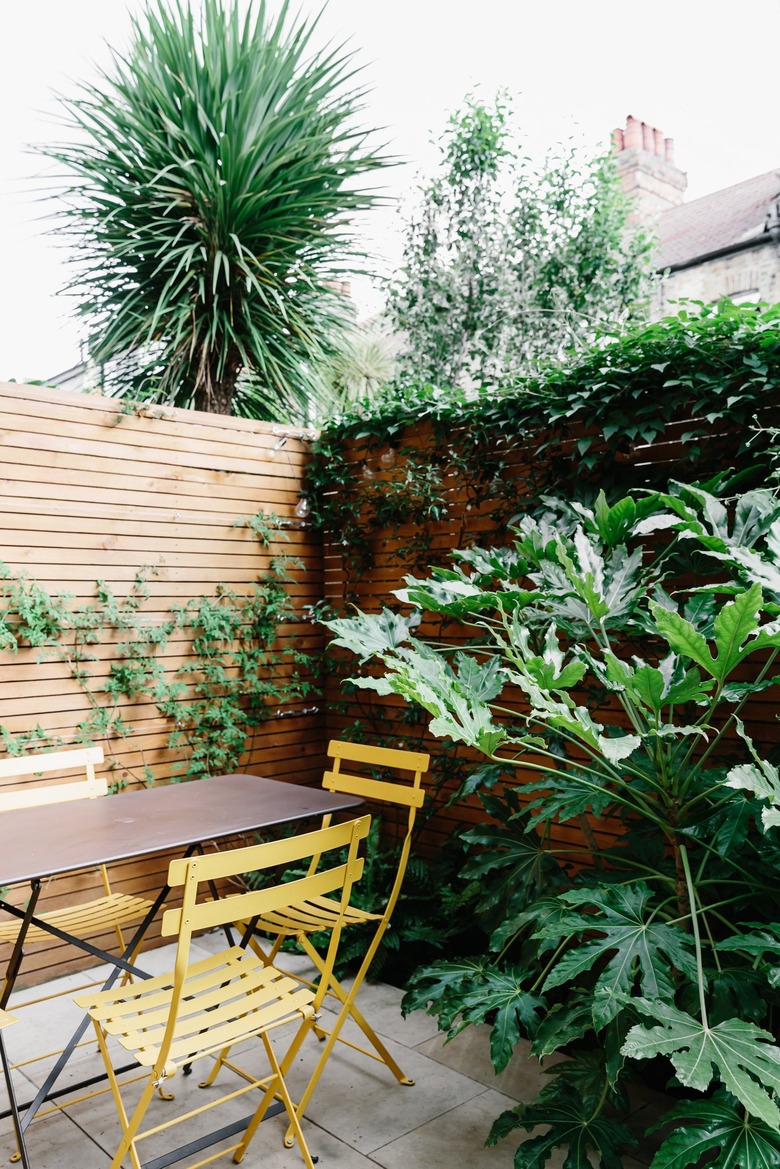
point(571, 1124)
point(740, 1055)
point(510, 1009)
point(716, 1132)
point(737, 634)
point(369, 634)
point(632, 947)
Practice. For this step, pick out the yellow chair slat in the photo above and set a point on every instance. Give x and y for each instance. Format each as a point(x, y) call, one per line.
point(395, 758)
point(226, 997)
point(6, 1019)
point(313, 916)
point(373, 789)
point(207, 987)
point(61, 793)
point(248, 905)
point(87, 919)
point(124, 1000)
point(217, 866)
point(46, 763)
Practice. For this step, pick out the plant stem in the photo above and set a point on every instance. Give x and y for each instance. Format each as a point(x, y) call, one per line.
point(696, 937)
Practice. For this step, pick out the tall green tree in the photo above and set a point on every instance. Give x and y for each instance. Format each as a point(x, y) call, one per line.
point(213, 179)
point(507, 265)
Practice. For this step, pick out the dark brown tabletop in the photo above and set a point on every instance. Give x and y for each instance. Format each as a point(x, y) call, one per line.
point(62, 838)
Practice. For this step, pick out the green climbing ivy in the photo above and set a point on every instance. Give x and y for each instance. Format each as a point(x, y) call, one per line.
point(716, 366)
point(234, 675)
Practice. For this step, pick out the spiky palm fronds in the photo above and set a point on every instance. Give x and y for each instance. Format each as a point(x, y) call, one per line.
point(210, 200)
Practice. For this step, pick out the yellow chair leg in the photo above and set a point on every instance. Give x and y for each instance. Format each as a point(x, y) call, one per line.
point(347, 999)
point(218, 1062)
point(332, 1037)
point(129, 1128)
point(277, 1084)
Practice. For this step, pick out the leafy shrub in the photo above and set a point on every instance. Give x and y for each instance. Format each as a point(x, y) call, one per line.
point(614, 670)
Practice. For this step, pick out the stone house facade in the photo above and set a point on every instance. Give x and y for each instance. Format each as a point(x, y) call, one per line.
point(723, 244)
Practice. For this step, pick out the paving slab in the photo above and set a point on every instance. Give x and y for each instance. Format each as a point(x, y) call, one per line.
point(362, 1103)
point(454, 1138)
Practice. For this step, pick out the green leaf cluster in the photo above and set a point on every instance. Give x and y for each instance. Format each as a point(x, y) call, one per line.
point(214, 171)
point(693, 384)
point(607, 664)
point(236, 672)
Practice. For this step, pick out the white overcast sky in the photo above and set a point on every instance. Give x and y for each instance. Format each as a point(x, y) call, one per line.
point(703, 71)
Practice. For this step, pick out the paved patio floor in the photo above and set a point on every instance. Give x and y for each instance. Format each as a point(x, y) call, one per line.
point(359, 1118)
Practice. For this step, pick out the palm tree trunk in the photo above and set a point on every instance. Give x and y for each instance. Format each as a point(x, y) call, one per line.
point(215, 394)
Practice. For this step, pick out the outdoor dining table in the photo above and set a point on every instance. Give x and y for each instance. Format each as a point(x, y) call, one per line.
point(42, 842)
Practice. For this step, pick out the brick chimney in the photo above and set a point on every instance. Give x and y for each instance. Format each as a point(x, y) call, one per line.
point(645, 165)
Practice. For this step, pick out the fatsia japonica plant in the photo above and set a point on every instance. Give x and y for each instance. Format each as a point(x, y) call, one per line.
point(613, 665)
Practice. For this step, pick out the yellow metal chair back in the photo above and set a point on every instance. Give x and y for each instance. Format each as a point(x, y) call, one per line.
point(202, 1008)
point(405, 791)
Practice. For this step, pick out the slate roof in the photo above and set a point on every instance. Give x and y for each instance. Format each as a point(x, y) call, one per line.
point(720, 220)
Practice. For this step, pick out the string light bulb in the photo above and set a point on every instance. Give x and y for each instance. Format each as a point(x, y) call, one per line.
point(387, 459)
point(302, 507)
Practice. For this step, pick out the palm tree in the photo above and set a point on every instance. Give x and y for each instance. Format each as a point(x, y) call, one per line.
point(211, 192)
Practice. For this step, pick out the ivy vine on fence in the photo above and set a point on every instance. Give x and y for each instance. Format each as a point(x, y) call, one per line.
point(235, 673)
point(715, 367)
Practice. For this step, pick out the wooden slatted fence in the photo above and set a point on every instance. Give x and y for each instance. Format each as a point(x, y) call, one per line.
point(94, 490)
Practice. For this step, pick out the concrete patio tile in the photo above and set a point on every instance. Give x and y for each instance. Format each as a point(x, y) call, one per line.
point(457, 1137)
point(361, 1102)
point(267, 1149)
point(469, 1052)
point(44, 1027)
point(54, 1143)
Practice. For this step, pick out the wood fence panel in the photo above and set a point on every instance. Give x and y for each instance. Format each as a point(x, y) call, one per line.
point(93, 489)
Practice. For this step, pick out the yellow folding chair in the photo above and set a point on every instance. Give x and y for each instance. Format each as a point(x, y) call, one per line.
point(202, 1008)
point(312, 915)
point(85, 919)
point(5, 1020)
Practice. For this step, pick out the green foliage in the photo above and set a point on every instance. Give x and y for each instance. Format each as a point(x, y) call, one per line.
point(360, 364)
point(28, 614)
point(739, 1055)
point(719, 361)
point(214, 174)
point(506, 266)
point(717, 1132)
point(233, 677)
point(610, 659)
point(572, 1124)
point(712, 367)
